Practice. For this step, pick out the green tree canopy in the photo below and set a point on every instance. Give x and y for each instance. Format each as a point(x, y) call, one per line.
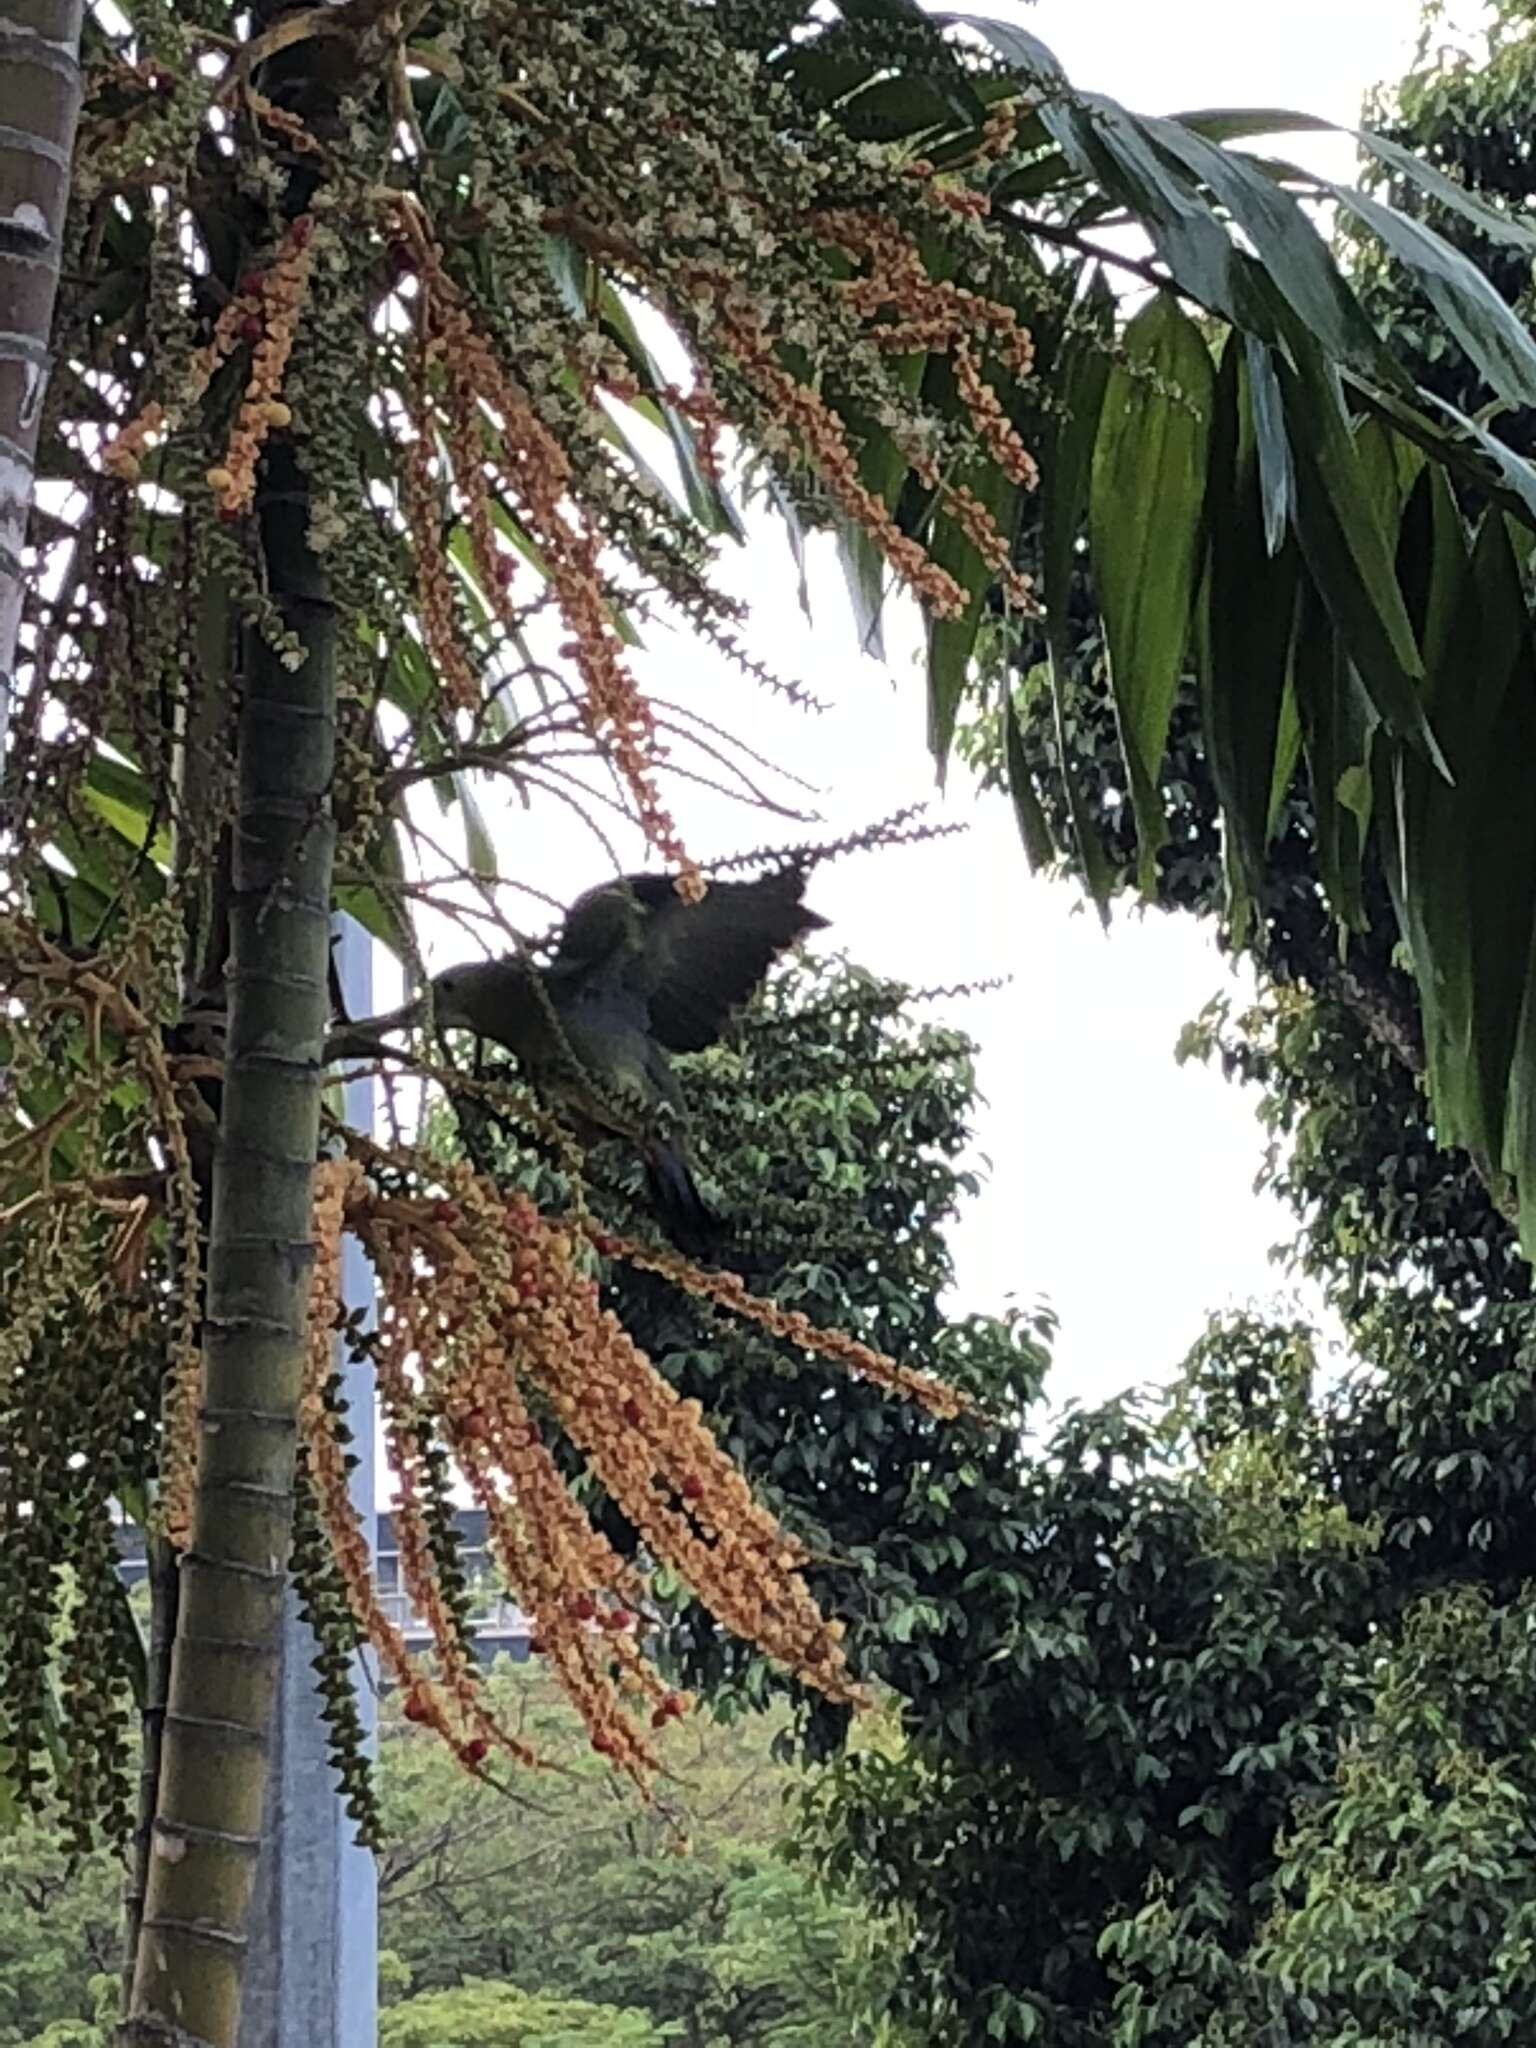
point(487, 2015)
point(1258, 1772)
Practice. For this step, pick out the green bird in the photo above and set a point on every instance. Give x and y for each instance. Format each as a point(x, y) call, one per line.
point(638, 973)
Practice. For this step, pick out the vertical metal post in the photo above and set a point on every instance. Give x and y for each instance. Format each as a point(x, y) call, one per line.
point(311, 1980)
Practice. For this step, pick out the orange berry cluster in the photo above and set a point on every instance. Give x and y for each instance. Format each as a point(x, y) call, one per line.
point(704, 410)
point(997, 134)
point(817, 430)
point(535, 471)
point(262, 311)
point(452, 1706)
point(729, 1291)
point(283, 120)
point(490, 1328)
point(434, 576)
point(277, 296)
point(916, 311)
point(443, 1353)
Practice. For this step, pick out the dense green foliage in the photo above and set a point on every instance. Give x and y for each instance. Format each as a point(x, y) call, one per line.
point(490, 2015)
point(60, 1940)
point(570, 1891)
point(1261, 1769)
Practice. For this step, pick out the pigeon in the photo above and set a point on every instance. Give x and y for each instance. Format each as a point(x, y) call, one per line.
point(638, 973)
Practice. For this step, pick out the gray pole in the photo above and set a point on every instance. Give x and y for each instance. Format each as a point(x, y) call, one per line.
point(312, 1977)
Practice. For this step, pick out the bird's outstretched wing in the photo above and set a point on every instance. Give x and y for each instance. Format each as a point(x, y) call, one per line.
point(691, 963)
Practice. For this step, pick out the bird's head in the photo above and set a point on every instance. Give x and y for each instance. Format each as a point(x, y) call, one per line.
point(483, 996)
point(459, 992)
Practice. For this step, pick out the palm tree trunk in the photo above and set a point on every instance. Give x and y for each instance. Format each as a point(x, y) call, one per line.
point(200, 861)
point(225, 1663)
point(39, 106)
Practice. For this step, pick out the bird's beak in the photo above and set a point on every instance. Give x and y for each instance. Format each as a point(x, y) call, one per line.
point(360, 1040)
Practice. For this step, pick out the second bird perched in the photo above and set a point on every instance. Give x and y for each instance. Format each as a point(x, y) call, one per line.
point(638, 973)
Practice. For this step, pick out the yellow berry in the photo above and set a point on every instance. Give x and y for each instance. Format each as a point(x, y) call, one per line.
point(219, 479)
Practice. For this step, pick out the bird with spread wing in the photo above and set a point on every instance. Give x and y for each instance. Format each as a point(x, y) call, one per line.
point(638, 973)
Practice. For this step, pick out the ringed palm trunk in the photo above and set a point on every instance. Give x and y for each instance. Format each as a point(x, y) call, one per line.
point(39, 106)
point(225, 1662)
point(199, 830)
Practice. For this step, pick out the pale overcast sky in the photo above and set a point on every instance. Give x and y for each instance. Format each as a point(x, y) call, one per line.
point(1121, 1186)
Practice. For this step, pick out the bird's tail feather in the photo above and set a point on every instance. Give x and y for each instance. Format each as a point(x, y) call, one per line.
point(690, 1222)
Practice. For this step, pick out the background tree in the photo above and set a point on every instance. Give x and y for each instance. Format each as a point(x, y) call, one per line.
point(1232, 1784)
point(60, 1936)
point(570, 1893)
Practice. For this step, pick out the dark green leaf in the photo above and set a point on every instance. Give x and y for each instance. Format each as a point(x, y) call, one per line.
point(1336, 723)
point(1292, 253)
point(1494, 337)
point(952, 641)
point(1118, 150)
point(707, 501)
point(1145, 519)
point(1229, 124)
point(119, 795)
point(1026, 53)
point(1064, 480)
point(1276, 475)
point(883, 470)
point(1251, 599)
point(1513, 470)
point(1030, 817)
point(379, 909)
point(1347, 550)
point(1491, 221)
point(893, 109)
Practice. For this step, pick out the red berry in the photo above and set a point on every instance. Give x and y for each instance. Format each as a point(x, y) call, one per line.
point(583, 1607)
point(660, 1718)
point(603, 1744)
point(416, 1709)
point(475, 1751)
point(230, 515)
point(476, 1424)
point(693, 1487)
point(632, 1413)
point(537, 1646)
point(506, 570)
point(252, 328)
point(252, 284)
point(672, 1706)
point(618, 1619)
point(301, 230)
